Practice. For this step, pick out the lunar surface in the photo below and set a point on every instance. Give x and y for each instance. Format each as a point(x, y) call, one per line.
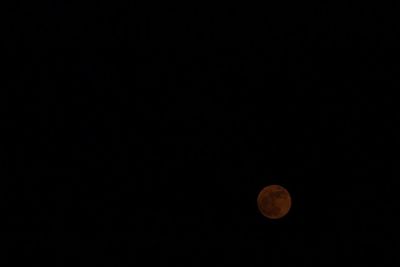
point(274, 201)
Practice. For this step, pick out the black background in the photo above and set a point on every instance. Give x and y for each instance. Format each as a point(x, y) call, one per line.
point(144, 134)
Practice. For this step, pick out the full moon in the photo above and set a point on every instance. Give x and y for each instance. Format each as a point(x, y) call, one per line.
point(274, 201)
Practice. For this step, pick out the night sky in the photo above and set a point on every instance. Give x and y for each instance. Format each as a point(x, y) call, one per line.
point(143, 134)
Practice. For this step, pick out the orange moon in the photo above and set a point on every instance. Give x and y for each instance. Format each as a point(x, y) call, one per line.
point(274, 201)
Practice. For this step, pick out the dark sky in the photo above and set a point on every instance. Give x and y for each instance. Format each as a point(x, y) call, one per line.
point(145, 134)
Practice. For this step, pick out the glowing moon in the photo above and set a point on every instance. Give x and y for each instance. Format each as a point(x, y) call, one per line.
point(274, 201)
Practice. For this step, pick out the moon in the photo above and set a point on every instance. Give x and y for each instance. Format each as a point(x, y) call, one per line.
point(274, 201)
